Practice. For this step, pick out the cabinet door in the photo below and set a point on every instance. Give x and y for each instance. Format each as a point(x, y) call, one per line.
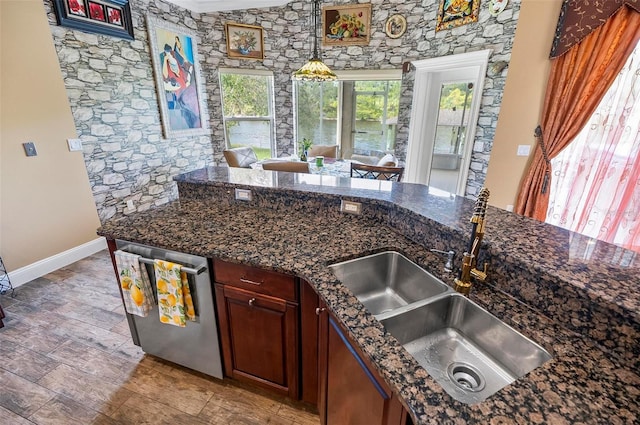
point(309, 311)
point(351, 392)
point(259, 339)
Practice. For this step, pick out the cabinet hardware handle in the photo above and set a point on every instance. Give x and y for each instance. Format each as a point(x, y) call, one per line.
point(252, 301)
point(319, 311)
point(250, 282)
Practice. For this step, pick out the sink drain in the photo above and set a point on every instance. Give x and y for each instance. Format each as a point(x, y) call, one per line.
point(466, 377)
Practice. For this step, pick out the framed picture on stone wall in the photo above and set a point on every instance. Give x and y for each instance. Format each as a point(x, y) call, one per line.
point(244, 41)
point(453, 13)
point(174, 54)
point(346, 25)
point(108, 17)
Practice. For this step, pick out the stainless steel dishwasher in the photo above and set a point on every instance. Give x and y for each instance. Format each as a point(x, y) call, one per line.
point(195, 346)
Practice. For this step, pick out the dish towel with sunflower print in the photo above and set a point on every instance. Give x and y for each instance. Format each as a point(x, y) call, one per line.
point(175, 305)
point(134, 281)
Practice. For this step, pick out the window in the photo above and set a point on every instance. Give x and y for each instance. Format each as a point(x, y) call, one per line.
point(247, 109)
point(358, 112)
point(317, 111)
point(594, 190)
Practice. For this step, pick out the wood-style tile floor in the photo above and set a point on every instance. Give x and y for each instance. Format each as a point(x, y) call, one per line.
point(66, 357)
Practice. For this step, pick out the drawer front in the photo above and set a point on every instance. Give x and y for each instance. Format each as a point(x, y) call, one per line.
point(257, 280)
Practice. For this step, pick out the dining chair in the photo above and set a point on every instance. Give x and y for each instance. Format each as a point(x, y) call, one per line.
point(365, 159)
point(328, 151)
point(387, 161)
point(365, 171)
point(240, 157)
point(291, 166)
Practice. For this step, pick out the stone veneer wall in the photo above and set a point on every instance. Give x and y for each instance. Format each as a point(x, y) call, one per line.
point(113, 99)
point(287, 48)
point(112, 93)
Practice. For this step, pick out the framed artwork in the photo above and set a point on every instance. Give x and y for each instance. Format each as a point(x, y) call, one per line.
point(174, 54)
point(108, 17)
point(395, 26)
point(346, 25)
point(454, 13)
point(244, 41)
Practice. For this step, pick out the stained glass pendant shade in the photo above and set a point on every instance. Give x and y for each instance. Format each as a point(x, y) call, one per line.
point(315, 69)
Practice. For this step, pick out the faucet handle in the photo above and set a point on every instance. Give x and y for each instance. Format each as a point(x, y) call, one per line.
point(448, 267)
point(481, 275)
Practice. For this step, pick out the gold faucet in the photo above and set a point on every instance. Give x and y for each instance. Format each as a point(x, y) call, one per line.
point(470, 257)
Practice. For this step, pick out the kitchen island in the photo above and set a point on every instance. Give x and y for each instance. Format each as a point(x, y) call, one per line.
point(574, 296)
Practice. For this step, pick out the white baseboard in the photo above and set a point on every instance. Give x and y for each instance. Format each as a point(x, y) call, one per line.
point(40, 268)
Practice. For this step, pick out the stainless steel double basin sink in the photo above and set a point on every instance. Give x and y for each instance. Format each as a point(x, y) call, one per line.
point(468, 351)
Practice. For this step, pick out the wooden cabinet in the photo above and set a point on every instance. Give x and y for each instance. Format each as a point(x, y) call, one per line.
point(309, 310)
point(351, 391)
point(276, 333)
point(258, 318)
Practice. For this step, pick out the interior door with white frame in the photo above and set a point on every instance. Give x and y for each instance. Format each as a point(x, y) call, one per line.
point(446, 103)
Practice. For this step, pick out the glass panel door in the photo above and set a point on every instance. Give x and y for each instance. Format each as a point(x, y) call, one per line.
point(453, 117)
point(444, 116)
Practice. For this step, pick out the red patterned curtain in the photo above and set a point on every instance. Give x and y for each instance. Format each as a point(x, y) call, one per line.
point(577, 82)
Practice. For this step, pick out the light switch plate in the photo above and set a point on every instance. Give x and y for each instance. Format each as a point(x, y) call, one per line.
point(30, 149)
point(74, 145)
point(524, 150)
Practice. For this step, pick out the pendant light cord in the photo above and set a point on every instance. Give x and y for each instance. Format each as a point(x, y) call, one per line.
point(316, 8)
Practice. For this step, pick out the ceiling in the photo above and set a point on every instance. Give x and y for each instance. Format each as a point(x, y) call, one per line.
point(204, 6)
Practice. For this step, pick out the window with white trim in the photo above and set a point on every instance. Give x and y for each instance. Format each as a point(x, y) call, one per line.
point(248, 109)
point(358, 112)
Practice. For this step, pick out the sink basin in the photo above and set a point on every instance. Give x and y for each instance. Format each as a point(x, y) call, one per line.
point(386, 281)
point(467, 350)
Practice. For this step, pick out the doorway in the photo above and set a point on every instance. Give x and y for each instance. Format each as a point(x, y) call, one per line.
point(446, 103)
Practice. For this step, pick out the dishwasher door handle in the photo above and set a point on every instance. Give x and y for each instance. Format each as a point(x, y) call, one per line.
point(187, 270)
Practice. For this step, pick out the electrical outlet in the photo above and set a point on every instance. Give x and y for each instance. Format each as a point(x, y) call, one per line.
point(74, 145)
point(30, 149)
point(350, 207)
point(243, 194)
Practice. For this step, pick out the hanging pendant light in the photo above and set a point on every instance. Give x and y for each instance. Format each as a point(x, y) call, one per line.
point(315, 69)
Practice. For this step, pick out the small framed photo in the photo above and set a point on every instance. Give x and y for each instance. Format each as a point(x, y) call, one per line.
point(244, 41)
point(174, 55)
point(107, 17)
point(395, 26)
point(454, 13)
point(346, 25)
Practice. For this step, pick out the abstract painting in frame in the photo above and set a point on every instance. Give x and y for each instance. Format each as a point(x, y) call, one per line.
point(108, 17)
point(346, 25)
point(453, 13)
point(244, 41)
point(174, 53)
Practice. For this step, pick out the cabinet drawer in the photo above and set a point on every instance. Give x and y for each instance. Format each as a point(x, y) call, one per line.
point(255, 279)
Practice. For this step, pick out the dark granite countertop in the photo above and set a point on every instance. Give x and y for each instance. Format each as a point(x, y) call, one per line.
point(573, 296)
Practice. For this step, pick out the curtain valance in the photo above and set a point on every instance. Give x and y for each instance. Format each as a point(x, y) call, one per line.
point(578, 18)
